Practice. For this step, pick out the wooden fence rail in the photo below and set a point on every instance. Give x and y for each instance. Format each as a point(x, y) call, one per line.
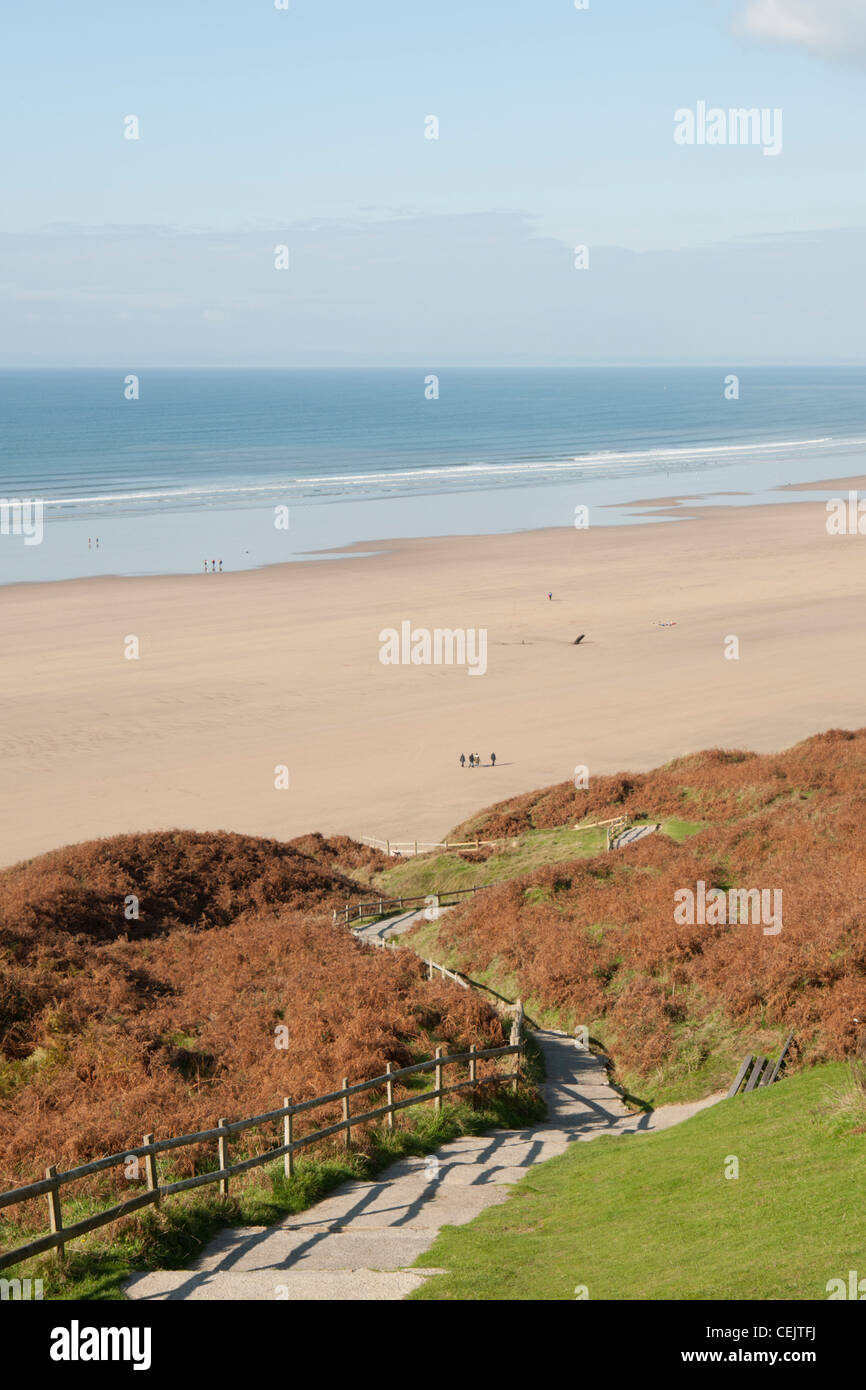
point(53, 1181)
point(379, 907)
point(409, 848)
point(615, 828)
point(433, 968)
point(764, 1071)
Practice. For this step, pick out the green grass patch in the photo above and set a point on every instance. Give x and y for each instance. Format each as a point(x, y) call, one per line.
point(430, 873)
point(680, 830)
point(655, 1217)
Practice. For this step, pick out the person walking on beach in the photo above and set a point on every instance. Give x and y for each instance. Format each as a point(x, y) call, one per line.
point(462, 760)
point(550, 594)
point(477, 759)
point(492, 759)
point(471, 759)
point(221, 566)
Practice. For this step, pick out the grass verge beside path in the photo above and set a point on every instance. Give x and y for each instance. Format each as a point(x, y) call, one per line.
point(654, 1216)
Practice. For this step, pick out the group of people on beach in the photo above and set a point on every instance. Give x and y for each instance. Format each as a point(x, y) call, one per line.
point(213, 567)
point(475, 760)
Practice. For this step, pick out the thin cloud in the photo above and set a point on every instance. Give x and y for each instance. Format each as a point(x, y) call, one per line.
point(831, 28)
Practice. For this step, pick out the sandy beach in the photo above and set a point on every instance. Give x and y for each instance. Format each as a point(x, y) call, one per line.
point(240, 673)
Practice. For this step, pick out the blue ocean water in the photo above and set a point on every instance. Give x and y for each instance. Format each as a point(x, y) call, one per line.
point(202, 457)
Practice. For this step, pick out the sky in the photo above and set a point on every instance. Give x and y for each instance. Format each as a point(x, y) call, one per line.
point(306, 127)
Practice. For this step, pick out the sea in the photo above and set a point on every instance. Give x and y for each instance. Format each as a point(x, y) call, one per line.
point(171, 471)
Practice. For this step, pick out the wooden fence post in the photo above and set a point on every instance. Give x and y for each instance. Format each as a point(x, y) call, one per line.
point(429, 970)
point(438, 1101)
point(388, 846)
point(389, 1087)
point(54, 1209)
point(224, 1161)
point(150, 1170)
point(289, 1159)
point(473, 1066)
point(513, 1040)
point(346, 1112)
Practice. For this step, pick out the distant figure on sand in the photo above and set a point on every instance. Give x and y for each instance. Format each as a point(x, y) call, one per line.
point(462, 759)
point(221, 566)
point(492, 759)
point(471, 759)
point(550, 595)
point(477, 759)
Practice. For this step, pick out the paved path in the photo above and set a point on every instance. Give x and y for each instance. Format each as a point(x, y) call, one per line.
point(393, 926)
point(634, 832)
point(359, 1242)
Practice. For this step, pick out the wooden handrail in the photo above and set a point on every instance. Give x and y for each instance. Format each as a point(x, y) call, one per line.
point(378, 907)
point(61, 1236)
point(398, 847)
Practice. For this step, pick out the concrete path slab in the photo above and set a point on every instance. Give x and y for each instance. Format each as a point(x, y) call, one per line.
point(324, 1286)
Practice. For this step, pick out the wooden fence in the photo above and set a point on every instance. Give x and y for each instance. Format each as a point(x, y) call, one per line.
point(53, 1182)
point(409, 848)
point(433, 968)
point(761, 1071)
point(380, 907)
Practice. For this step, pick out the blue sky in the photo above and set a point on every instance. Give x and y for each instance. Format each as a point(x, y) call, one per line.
point(306, 126)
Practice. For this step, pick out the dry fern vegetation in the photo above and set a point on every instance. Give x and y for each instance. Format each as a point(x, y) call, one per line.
point(593, 940)
point(111, 1027)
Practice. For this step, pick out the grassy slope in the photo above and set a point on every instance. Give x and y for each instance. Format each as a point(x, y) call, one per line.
point(431, 872)
point(654, 1217)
